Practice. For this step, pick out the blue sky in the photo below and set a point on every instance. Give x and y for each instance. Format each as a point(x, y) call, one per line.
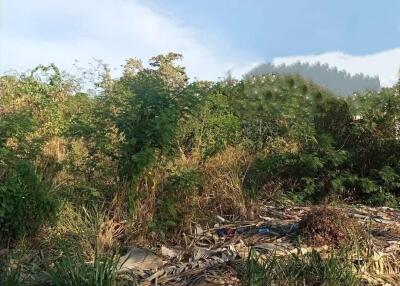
point(214, 36)
point(291, 27)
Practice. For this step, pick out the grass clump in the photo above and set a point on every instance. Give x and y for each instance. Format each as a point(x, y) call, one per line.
point(302, 269)
point(11, 277)
point(76, 230)
point(74, 271)
point(14, 268)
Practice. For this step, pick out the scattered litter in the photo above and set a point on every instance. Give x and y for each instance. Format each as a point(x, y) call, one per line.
point(198, 230)
point(214, 254)
point(201, 252)
point(221, 219)
point(263, 230)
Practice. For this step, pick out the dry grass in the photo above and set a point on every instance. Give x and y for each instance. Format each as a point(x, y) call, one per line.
point(223, 182)
point(110, 235)
point(148, 187)
point(329, 226)
point(138, 206)
point(222, 192)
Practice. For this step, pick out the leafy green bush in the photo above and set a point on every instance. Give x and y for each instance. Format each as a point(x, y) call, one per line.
point(175, 201)
point(212, 127)
point(347, 157)
point(25, 202)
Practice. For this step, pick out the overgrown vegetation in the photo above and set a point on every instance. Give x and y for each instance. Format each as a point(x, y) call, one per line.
point(160, 152)
point(25, 200)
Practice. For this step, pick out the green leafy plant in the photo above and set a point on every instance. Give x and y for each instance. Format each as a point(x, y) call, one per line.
point(174, 202)
point(25, 201)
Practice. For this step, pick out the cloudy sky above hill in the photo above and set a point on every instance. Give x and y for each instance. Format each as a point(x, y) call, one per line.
point(214, 36)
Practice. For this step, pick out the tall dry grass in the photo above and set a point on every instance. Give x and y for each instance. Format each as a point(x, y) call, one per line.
point(224, 176)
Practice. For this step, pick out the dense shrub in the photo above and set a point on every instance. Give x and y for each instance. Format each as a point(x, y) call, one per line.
point(175, 202)
point(347, 158)
point(212, 126)
point(25, 202)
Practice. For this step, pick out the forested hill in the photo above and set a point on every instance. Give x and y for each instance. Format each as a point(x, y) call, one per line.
point(338, 81)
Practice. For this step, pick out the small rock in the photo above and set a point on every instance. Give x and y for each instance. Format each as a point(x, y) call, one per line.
point(139, 259)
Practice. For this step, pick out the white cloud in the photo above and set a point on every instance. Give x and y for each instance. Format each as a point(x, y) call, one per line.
point(44, 31)
point(384, 64)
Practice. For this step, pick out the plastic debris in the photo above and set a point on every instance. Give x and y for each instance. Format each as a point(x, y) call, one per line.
point(171, 252)
point(263, 230)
